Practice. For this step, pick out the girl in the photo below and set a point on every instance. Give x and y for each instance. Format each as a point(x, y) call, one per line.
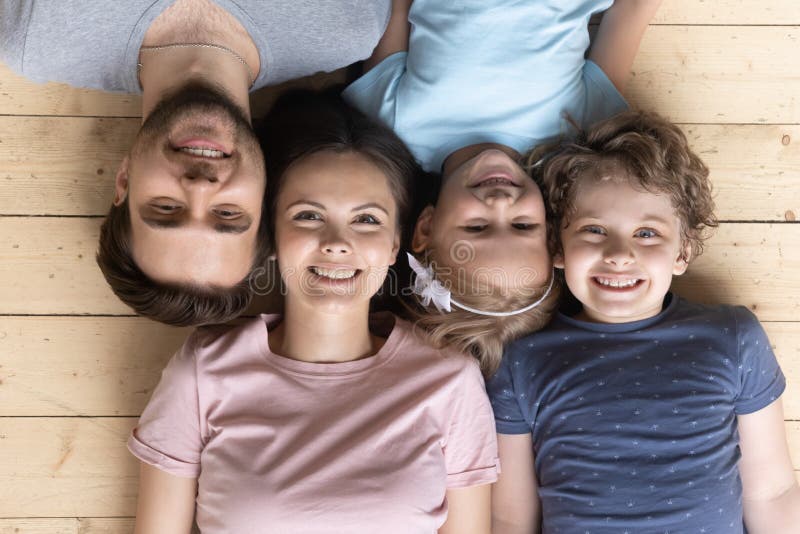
point(324, 419)
point(472, 86)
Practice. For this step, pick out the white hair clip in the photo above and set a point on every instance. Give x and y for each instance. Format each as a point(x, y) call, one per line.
point(433, 291)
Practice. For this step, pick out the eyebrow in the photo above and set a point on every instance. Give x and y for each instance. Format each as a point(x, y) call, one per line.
point(221, 227)
point(368, 205)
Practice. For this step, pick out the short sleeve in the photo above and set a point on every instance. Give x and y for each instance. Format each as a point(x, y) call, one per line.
point(375, 93)
point(508, 415)
point(470, 448)
point(760, 376)
point(168, 434)
point(14, 19)
point(603, 100)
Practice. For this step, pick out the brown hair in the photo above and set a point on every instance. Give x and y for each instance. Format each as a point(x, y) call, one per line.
point(174, 304)
point(650, 150)
point(482, 336)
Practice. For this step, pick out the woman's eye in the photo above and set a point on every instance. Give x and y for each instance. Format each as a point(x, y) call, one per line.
point(646, 233)
point(307, 216)
point(366, 218)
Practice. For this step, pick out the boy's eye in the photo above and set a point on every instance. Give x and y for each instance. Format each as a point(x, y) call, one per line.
point(366, 218)
point(646, 233)
point(591, 229)
point(307, 216)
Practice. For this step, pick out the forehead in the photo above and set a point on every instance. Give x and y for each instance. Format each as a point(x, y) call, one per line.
point(620, 197)
point(343, 177)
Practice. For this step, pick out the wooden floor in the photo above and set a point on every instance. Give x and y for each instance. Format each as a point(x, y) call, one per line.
point(76, 367)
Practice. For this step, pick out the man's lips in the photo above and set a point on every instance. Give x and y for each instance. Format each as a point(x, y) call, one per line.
point(202, 147)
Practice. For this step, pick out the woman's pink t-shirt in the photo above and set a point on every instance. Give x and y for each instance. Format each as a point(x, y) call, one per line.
point(285, 446)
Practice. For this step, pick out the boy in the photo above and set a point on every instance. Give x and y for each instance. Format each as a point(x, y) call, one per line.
point(641, 412)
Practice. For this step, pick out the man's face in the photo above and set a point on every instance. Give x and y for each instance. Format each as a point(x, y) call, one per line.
point(195, 182)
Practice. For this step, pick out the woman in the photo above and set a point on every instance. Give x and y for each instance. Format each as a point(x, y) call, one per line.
point(324, 419)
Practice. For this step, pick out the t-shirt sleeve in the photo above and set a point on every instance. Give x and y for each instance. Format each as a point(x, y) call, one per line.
point(760, 376)
point(470, 448)
point(168, 435)
point(508, 415)
point(375, 93)
point(603, 100)
point(14, 18)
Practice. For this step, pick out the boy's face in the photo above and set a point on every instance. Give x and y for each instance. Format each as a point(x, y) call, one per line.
point(621, 247)
point(489, 224)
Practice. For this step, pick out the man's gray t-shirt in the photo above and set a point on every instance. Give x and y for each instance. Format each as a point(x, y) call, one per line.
point(96, 44)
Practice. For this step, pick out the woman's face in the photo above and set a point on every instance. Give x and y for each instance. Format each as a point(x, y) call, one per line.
point(336, 231)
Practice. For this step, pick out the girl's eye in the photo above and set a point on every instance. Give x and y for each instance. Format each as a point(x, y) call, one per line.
point(646, 233)
point(475, 228)
point(524, 226)
point(366, 218)
point(307, 216)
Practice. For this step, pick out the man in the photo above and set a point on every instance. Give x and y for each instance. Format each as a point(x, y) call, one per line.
point(186, 230)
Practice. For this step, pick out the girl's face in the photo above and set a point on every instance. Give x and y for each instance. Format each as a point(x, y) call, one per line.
point(336, 230)
point(488, 225)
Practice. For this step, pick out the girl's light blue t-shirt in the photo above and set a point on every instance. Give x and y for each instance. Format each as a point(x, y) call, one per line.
point(476, 71)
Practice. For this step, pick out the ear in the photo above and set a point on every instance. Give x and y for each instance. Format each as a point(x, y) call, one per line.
point(121, 182)
point(682, 261)
point(395, 248)
point(558, 260)
point(422, 230)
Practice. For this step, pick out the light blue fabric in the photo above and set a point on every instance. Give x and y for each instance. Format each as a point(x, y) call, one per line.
point(634, 425)
point(503, 71)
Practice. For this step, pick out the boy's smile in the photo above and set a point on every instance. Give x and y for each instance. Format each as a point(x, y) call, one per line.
point(621, 247)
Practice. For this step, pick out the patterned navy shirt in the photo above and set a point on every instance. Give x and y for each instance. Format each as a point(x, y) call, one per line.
point(634, 425)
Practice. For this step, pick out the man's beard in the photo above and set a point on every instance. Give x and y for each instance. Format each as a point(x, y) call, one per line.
point(198, 100)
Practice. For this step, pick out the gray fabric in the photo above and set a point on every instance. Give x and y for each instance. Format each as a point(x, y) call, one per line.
point(634, 424)
point(95, 43)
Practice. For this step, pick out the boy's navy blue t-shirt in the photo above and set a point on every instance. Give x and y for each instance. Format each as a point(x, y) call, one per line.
point(634, 425)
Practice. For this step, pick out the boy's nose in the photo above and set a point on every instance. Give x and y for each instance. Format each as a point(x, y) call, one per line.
point(618, 253)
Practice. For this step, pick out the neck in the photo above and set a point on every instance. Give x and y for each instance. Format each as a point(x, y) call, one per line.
point(464, 154)
point(308, 334)
point(165, 71)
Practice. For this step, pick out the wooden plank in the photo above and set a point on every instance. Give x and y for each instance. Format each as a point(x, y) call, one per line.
point(108, 366)
point(755, 169)
point(61, 165)
point(766, 12)
point(754, 265)
point(84, 470)
point(719, 74)
point(20, 96)
point(72, 525)
point(87, 366)
point(48, 268)
point(67, 467)
point(66, 166)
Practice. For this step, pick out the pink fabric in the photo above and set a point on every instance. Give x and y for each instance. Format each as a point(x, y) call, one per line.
point(284, 446)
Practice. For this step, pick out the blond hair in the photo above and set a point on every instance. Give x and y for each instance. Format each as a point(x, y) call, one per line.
point(482, 336)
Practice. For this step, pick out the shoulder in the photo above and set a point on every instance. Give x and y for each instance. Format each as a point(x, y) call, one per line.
point(14, 20)
point(416, 346)
point(727, 315)
point(211, 342)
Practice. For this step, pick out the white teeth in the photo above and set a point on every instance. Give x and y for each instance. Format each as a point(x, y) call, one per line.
point(205, 152)
point(612, 282)
point(336, 274)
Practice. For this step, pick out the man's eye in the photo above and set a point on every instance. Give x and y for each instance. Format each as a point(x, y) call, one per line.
point(307, 216)
point(165, 208)
point(366, 218)
point(227, 212)
point(646, 233)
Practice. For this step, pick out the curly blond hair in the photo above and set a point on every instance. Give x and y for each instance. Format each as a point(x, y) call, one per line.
point(653, 153)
